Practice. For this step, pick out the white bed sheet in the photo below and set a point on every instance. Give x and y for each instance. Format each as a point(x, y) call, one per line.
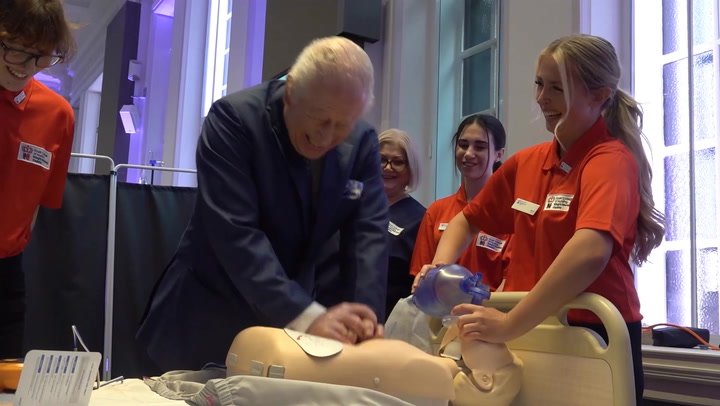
point(6, 399)
point(261, 390)
point(129, 392)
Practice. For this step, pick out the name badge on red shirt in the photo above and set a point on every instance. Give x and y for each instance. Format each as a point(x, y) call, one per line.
point(20, 97)
point(525, 207)
point(489, 242)
point(558, 202)
point(34, 155)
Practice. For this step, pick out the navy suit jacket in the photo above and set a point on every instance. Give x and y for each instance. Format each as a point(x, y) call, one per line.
point(249, 254)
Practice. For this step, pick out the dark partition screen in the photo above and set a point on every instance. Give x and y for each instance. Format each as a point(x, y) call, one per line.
point(150, 223)
point(65, 267)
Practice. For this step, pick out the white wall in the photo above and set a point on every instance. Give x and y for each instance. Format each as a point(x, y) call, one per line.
point(409, 71)
point(376, 53)
point(183, 111)
point(90, 36)
point(527, 28)
point(612, 20)
point(406, 79)
point(156, 87)
point(86, 72)
point(86, 127)
point(246, 44)
point(183, 121)
point(406, 69)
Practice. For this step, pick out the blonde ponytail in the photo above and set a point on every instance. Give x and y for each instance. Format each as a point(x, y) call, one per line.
point(623, 117)
point(595, 62)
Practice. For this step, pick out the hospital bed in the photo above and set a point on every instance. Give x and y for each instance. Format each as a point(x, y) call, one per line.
point(566, 365)
point(563, 365)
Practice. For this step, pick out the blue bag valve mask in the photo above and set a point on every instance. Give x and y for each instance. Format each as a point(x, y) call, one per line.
point(447, 286)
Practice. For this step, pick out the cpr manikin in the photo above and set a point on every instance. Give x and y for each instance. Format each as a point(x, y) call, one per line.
point(463, 372)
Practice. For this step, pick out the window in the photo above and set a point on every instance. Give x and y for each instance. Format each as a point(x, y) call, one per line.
point(468, 76)
point(218, 52)
point(680, 97)
point(479, 56)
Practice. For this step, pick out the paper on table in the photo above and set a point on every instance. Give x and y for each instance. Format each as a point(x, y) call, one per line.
point(58, 378)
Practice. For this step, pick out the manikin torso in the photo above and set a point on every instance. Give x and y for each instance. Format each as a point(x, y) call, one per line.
point(491, 375)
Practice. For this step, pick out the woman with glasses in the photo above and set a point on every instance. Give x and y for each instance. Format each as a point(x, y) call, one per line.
point(401, 175)
point(36, 132)
point(479, 147)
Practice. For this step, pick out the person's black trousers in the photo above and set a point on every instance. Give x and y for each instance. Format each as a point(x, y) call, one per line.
point(12, 307)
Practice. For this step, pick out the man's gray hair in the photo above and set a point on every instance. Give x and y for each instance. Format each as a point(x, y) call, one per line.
point(334, 57)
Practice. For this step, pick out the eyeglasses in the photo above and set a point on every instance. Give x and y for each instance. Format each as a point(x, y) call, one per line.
point(20, 57)
point(397, 165)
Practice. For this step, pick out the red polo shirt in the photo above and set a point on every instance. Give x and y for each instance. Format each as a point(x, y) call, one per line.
point(486, 253)
point(36, 134)
point(594, 186)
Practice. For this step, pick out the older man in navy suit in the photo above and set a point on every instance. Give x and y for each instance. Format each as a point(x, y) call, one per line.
point(282, 167)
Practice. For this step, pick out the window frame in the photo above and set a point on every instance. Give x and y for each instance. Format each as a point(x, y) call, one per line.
point(647, 276)
point(215, 83)
point(450, 85)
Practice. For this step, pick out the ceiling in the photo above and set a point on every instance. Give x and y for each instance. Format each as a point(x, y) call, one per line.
point(84, 11)
point(79, 3)
point(91, 18)
point(164, 7)
point(78, 11)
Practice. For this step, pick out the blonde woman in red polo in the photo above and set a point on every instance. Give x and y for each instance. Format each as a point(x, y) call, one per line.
point(36, 132)
point(580, 208)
